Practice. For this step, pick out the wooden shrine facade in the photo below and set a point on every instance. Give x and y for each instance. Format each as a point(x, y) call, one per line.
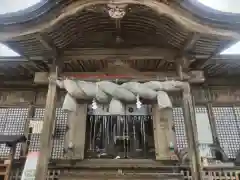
point(20, 107)
point(151, 40)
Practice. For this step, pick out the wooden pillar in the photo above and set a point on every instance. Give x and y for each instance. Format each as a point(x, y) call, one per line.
point(191, 131)
point(75, 137)
point(25, 145)
point(163, 133)
point(212, 124)
point(10, 162)
point(47, 129)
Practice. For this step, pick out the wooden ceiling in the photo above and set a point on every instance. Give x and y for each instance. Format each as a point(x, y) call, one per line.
point(89, 39)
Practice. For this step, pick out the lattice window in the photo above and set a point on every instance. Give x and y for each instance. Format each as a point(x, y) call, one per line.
point(34, 143)
point(15, 121)
point(3, 121)
point(60, 130)
point(204, 131)
point(227, 130)
point(237, 115)
point(181, 137)
point(12, 122)
point(180, 132)
point(36, 124)
point(39, 113)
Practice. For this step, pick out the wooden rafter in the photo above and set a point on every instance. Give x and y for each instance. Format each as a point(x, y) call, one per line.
point(192, 39)
point(216, 52)
point(46, 43)
point(183, 61)
point(186, 22)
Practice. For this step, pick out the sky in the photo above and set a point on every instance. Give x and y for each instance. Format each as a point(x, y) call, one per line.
point(223, 5)
point(8, 6)
point(232, 6)
point(5, 51)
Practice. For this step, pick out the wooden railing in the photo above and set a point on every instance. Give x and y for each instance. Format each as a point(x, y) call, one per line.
point(208, 174)
point(216, 174)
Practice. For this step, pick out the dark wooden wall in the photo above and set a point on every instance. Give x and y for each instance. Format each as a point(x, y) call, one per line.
point(18, 97)
point(213, 94)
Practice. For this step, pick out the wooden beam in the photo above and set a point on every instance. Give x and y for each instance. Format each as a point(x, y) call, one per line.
point(17, 59)
point(47, 129)
point(191, 131)
point(140, 53)
point(29, 84)
point(192, 76)
point(100, 54)
point(106, 74)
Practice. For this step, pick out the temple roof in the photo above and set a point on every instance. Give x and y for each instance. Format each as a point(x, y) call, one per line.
point(71, 30)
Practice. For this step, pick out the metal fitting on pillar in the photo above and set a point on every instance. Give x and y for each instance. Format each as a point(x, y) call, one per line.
point(70, 146)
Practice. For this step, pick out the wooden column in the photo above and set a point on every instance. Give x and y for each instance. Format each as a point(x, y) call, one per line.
point(163, 134)
point(26, 130)
point(75, 137)
point(10, 162)
point(47, 129)
point(212, 124)
point(191, 131)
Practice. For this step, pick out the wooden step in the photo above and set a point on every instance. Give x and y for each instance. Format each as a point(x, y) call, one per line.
point(4, 167)
point(116, 164)
point(118, 175)
point(121, 169)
